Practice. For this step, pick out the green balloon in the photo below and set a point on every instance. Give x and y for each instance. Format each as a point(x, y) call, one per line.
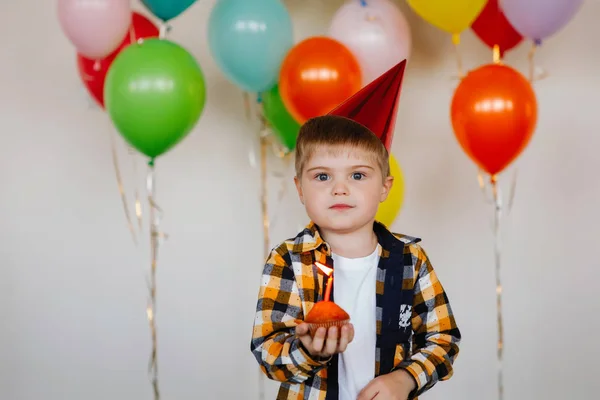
point(284, 125)
point(154, 93)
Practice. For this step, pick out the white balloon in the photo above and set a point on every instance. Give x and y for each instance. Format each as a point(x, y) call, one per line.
point(376, 32)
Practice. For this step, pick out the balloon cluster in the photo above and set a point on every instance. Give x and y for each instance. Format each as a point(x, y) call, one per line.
point(152, 88)
point(499, 22)
point(494, 108)
point(252, 42)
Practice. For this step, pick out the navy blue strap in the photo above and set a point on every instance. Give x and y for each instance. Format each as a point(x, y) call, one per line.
point(394, 297)
point(333, 390)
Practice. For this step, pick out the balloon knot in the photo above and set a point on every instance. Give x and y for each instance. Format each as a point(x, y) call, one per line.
point(151, 162)
point(363, 3)
point(496, 55)
point(456, 39)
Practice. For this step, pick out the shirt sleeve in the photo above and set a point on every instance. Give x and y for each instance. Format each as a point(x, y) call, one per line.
point(279, 310)
point(436, 335)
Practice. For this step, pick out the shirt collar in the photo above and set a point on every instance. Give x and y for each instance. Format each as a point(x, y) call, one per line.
point(310, 239)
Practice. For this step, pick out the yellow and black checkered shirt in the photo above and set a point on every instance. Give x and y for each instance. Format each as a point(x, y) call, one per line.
point(290, 285)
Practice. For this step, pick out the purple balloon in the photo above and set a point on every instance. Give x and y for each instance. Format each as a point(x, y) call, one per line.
point(539, 19)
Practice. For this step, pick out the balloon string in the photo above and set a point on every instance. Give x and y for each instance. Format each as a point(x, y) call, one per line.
point(280, 151)
point(264, 198)
point(138, 202)
point(155, 238)
point(459, 63)
point(533, 76)
point(489, 197)
point(121, 188)
point(497, 261)
point(251, 138)
point(264, 202)
point(531, 59)
point(483, 186)
point(267, 143)
point(283, 182)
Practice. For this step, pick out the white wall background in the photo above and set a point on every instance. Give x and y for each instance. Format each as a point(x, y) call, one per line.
point(72, 294)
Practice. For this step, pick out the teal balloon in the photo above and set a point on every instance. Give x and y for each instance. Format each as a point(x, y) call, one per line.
point(284, 126)
point(167, 9)
point(154, 93)
point(249, 40)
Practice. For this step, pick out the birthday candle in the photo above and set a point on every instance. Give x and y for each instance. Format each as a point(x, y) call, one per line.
point(328, 288)
point(328, 272)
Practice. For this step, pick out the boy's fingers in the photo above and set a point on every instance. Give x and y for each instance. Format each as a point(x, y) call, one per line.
point(332, 341)
point(344, 339)
point(318, 340)
point(351, 333)
point(302, 329)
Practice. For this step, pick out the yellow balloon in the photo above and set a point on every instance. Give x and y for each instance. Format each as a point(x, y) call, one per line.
point(389, 209)
point(451, 16)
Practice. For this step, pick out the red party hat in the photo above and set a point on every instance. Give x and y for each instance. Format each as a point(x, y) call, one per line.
point(375, 106)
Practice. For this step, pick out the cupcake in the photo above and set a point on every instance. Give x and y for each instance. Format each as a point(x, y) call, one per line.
point(326, 314)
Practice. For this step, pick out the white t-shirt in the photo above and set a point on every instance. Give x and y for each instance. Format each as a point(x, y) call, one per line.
point(355, 280)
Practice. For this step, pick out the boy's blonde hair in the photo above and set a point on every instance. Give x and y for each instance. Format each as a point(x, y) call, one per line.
point(336, 131)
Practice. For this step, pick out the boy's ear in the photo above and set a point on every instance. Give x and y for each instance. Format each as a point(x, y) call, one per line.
point(299, 189)
point(387, 186)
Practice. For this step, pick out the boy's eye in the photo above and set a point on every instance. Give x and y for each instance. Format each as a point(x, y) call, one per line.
point(358, 176)
point(322, 177)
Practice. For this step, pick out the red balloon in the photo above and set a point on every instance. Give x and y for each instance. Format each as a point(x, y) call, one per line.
point(494, 114)
point(93, 72)
point(493, 28)
point(316, 76)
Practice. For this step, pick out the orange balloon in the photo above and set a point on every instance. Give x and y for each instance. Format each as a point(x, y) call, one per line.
point(317, 75)
point(494, 115)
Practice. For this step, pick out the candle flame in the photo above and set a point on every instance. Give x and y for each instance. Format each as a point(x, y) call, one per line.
point(326, 270)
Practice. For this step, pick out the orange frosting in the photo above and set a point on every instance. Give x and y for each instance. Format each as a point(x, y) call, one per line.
point(326, 311)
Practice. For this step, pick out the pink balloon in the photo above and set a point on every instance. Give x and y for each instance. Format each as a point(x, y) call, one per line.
point(539, 19)
point(376, 32)
point(95, 27)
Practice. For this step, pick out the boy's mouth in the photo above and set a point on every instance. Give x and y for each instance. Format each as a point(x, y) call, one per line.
point(341, 206)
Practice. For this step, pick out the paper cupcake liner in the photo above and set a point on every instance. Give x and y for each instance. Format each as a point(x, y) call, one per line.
point(314, 326)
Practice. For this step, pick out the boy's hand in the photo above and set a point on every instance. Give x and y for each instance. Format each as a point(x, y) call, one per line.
point(325, 344)
point(396, 385)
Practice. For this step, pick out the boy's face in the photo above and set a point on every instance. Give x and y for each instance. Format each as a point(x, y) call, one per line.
point(341, 188)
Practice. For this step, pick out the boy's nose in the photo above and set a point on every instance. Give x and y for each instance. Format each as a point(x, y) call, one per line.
point(340, 189)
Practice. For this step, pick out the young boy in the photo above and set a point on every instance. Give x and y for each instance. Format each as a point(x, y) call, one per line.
point(402, 338)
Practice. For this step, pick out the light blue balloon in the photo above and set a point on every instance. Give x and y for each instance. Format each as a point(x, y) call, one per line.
point(167, 9)
point(249, 40)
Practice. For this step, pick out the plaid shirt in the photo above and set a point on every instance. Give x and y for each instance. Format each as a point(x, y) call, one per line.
point(291, 285)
